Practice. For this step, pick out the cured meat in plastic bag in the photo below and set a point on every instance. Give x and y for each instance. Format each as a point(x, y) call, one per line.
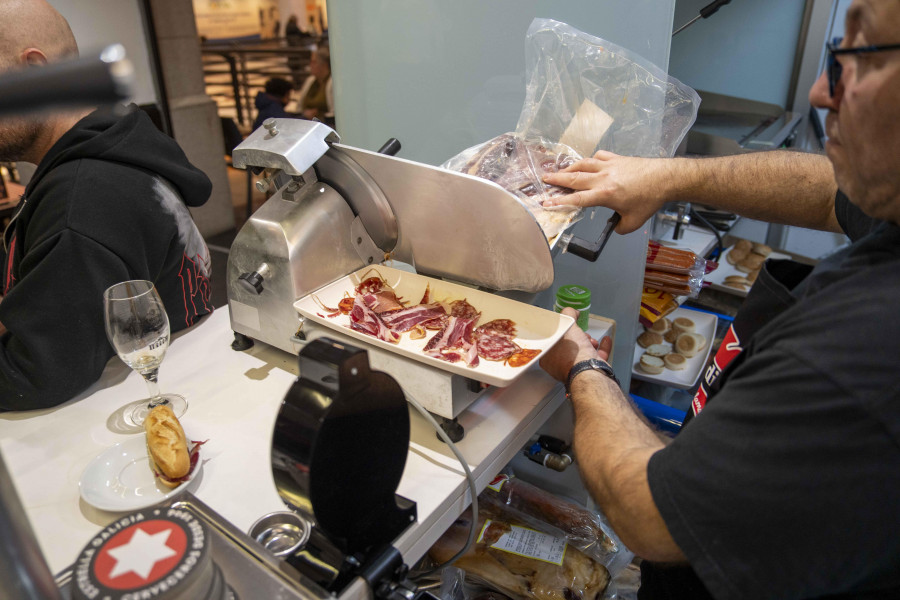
point(547, 512)
point(575, 577)
point(582, 94)
point(518, 166)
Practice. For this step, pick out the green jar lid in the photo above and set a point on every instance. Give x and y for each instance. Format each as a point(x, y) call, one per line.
point(574, 296)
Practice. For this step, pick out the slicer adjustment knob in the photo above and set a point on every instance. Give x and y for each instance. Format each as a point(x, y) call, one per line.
point(253, 281)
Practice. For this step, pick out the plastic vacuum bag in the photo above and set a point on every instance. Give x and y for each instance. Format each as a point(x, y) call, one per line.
point(521, 562)
point(583, 94)
point(551, 514)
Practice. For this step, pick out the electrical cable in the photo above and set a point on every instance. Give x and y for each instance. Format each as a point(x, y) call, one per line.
point(719, 245)
point(469, 478)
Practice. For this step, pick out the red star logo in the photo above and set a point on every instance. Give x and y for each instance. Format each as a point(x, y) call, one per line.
point(140, 555)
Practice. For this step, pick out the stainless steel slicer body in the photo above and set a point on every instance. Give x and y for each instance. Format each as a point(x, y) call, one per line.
point(337, 209)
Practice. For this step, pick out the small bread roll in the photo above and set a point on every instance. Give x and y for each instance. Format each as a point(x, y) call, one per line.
point(750, 263)
point(651, 364)
point(671, 335)
point(761, 249)
point(701, 341)
point(661, 326)
point(658, 349)
point(683, 325)
point(737, 279)
point(686, 344)
point(751, 276)
point(675, 361)
point(167, 445)
point(743, 245)
point(735, 256)
point(739, 282)
point(649, 338)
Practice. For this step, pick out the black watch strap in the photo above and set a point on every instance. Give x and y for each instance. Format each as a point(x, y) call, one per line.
point(593, 364)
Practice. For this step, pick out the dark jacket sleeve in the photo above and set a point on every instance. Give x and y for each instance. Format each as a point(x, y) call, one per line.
point(55, 345)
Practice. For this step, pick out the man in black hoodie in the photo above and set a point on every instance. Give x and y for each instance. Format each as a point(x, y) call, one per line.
point(108, 203)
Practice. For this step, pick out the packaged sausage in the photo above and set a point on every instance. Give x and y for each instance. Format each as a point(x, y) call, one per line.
point(550, 513)
point(674, 260)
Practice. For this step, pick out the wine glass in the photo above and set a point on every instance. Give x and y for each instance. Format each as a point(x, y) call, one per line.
point(138, 328)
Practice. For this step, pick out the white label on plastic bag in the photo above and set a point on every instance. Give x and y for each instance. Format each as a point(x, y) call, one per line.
point(530, 544)
point(586, 129)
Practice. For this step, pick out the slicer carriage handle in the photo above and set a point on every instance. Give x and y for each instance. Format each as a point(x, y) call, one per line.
point(390, 147)
point(591, 250)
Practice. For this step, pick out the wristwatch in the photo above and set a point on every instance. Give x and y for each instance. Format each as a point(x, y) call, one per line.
point(594, 364)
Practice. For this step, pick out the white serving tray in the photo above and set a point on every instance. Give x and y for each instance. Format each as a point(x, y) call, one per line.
point(536, 328)
point(686, 378)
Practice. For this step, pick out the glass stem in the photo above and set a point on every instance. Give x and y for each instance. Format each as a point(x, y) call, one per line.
point(152, 385)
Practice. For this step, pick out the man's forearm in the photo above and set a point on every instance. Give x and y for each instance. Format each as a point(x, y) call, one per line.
point(786, 187)
point(613, 446)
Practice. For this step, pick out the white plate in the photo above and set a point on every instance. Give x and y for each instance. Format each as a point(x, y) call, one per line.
point(726, 269)
point(536, 328)
point(120, 479)
point(686, 378)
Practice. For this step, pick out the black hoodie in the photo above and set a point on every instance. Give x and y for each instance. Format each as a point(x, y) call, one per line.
point(106, 204)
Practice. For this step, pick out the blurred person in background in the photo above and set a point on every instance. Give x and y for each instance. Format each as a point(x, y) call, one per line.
point(271, 102)
point(315, 100)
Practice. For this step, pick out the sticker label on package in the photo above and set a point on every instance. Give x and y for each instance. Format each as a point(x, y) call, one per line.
point(530, 544)
point(498, 482)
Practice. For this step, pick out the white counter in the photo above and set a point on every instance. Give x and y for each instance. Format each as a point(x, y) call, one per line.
point(234, 398)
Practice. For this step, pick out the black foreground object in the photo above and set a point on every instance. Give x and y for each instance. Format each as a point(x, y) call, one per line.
point(339, 447)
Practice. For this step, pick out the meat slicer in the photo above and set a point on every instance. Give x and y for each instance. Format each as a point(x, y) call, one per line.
point(336, 209)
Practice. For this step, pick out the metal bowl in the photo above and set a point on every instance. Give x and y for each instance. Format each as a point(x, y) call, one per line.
point(281, 533)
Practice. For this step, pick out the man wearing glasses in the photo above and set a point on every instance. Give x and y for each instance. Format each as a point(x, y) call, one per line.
point(785, 480)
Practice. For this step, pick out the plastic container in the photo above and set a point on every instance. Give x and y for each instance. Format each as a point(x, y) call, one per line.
point(577, 297)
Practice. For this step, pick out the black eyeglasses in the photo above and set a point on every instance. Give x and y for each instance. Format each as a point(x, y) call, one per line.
point(834, 67)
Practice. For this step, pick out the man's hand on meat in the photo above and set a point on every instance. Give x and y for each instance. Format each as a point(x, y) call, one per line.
point(629, 185)
point(754, 185)
point(613, 445)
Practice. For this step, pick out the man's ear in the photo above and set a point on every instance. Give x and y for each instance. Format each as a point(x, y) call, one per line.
point(33, 57)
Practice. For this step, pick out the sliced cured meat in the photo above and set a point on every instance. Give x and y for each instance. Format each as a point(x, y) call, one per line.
point(505, 327)
point(521, 358)
point(454, 342)
point(382, 301)
point(346, 305)
point(376, 310)
point(436, 324)
point(364, 320)
point(370, 285)
point(496, 347)
point(409, 318)
point(463, 310)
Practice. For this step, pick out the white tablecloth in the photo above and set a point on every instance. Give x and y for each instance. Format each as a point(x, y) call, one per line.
point(234, 398)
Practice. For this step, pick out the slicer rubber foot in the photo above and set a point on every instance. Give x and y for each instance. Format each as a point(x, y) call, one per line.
point(453, 429)
point(241, 342)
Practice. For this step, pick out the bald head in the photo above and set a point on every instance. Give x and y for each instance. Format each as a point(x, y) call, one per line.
point(26, 24)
